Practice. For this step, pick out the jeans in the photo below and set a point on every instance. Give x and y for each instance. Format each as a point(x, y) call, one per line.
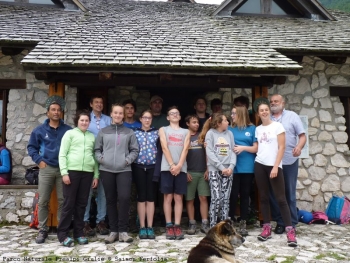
point(75, 199)
point(101, 204)
point(290, 173)
point(48, 178)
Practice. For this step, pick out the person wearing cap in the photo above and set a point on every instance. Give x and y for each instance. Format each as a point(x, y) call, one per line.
point(158, 118)
point(43, 147)
point(295, 141)
point(216, 105)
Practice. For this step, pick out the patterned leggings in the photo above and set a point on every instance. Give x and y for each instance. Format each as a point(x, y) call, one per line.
point(220, 190)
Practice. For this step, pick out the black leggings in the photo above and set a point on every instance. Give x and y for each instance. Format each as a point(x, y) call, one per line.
point(117, 187)
point(263, 181)
point(241, 186)
point(144, 184)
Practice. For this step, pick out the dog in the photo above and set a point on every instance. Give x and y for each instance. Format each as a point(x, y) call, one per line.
point(218, 246)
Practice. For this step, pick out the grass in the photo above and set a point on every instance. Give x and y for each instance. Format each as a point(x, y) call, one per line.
point(172, 250)
point(289, 259)
point(272, 257)
point(331, 255)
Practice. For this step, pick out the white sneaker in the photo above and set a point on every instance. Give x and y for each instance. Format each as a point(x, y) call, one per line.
point(124, 237)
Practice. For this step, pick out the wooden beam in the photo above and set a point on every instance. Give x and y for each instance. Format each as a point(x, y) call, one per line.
point(334, 60)
point(11, 51)
point(343, 91)
point(13, 84)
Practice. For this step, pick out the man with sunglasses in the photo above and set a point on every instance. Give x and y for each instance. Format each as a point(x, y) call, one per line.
point(98, 121)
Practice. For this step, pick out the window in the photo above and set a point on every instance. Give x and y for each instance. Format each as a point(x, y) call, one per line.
point(254, 7)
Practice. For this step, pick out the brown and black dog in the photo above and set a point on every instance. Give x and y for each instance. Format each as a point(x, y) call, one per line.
point(218, 246)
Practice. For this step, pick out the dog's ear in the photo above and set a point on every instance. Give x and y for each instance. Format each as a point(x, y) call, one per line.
point(227, 228)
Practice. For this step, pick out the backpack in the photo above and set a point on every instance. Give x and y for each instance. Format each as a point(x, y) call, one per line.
point(34, 220)
point(345, 212)
point(7, 176)
point(319, 217)
point(334, 208)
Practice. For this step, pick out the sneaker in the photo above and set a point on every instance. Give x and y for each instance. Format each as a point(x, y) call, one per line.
point(102, 229)
point(68, 242)
point(266, 233)
point(88, 231)
point(143, 233)
point(113, 236)
point(124, 237)
point(243, 228)
point(279, 229)
point(170, 232)
point(191, 229)
point(41, 237)
point(179, 234)
point(82, 240)
point(150, 233)
point(205, 228)
point(291, 239)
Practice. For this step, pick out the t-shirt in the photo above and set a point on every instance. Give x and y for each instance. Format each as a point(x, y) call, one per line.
point(267, 143)
point(175, 141)
point(133, 126)
point(244, 137)
point(196, 160)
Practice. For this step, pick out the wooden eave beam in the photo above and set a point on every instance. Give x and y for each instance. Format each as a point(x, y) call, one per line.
point(11, 51)
point(13, 84)
point(334, 60)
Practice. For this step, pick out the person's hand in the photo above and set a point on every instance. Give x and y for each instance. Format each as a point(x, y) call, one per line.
point(227, 172)
point(42, 164)
point(175, 169)
point(274, 172)
point(189, 177)
point(238, 149)
point(206, 175)
point(66, 179)
point(95, 183)
point(296, 151)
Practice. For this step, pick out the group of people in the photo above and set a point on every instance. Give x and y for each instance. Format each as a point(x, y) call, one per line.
point(210, 158)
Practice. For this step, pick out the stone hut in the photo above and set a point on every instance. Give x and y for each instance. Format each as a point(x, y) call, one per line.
point(127, 49)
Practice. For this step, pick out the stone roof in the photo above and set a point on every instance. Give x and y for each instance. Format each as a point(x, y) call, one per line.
point(120, 34)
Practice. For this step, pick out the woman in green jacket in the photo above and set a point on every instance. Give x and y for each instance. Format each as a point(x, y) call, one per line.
point(78, 167)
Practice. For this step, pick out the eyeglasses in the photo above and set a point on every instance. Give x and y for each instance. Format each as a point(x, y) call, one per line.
point(98, 124)
point(174, 113)
point(146, 118)
point(233, 113)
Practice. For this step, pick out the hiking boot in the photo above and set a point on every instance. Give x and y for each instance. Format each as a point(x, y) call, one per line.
point(143, 233)
point(169, 230)
point(191, 229)
point(124, 237)
point(266, 233)
point(179, 234)
point(150, 233)
point(205, 228)
point(279, 229)
point(102, 229)
point(41, 237)
point(113, 236)
point(291, 239)
point(68, 242)
point(243, 228)
point(82, 240)
point(88, 231)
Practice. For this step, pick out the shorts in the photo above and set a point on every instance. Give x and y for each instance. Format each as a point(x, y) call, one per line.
point(199, 184)
point(170, 184)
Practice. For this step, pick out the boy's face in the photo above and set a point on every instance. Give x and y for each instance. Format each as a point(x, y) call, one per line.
point(193, 125)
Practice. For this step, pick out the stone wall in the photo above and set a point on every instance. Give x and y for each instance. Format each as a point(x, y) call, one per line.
point(16, 203)
point(25, 111)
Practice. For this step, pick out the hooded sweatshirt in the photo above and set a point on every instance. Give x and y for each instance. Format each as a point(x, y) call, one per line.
point(116, 148)
point(219, 150)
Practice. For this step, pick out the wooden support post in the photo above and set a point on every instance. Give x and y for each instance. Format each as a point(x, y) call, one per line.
point(56, 88)
point(257, 92)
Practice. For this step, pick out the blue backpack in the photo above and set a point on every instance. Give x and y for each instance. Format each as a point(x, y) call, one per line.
point(334, 208)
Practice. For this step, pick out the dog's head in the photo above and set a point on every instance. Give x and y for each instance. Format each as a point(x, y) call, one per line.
point(225, 230)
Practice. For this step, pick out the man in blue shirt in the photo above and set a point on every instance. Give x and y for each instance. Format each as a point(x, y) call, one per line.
point(295, 141)
point(44, 146)
point(98, 121)
point(129, 116)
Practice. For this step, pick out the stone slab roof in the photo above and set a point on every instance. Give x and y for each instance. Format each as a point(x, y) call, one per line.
point(121, 34)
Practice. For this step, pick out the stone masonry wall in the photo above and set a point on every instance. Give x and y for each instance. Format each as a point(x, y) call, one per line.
point(25, 111)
